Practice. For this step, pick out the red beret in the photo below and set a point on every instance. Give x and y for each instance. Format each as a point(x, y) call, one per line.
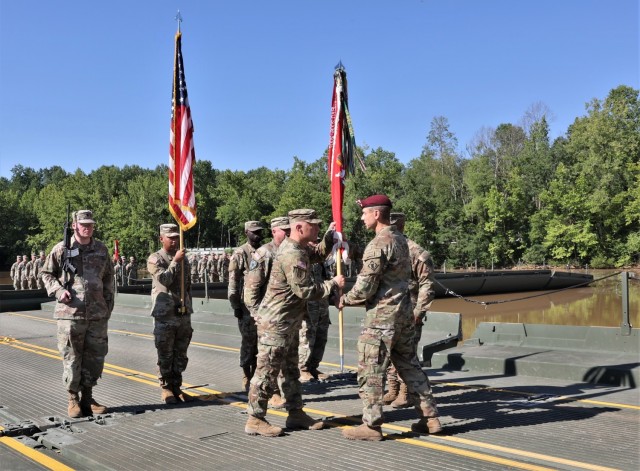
point(375, 200)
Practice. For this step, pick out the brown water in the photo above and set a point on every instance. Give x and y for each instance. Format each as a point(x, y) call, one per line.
point(599, 304)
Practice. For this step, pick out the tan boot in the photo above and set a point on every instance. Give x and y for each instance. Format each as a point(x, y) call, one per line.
point(319, 375)
point(74, 410)
point(182, 396)
point(298, 419)
point(277, 402)
point(430, 425)
point(392, 393)
point(306, 376)
point(89, 405)
point(256, 426)
point(363, 432)
point(167, 396)
point(404, 399)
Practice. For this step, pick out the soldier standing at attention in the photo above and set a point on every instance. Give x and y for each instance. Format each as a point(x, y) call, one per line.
point(117, 269)
point(24, 273)
point(131, 270)
point(212, 268)
point(39, 265)
point(14, 274)
point(171, 318)
point(123, 274)
point(33, 272)
point(202, 267)
point(280, 314)
point(193, 261)
point(389, 325)
point(422, 294)
point(255, 284)
point(84, 305)
point(238, 270)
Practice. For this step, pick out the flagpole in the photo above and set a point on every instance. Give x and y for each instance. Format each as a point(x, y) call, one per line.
point(340, 318)
point(182, 305)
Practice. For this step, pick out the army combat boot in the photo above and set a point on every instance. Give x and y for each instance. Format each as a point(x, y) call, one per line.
point(392, 393)
point(430, 425)
point(74, 410)
point(306, 375)
point(277, 401)
point(298, 419)
point(404, 399)
point(180, 395)
point(167, 396)
point(363, 432)
point(257, 426)
point(88, 403)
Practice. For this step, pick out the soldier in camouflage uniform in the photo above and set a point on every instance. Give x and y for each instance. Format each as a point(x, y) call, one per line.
point(223, 267)
point(131, 270)
point(123, 274)
point(280, 315)
point(24, 273)
point(202, 267)
point(171, 317)
point(117, 269)
point(212, 268)
point(238, 270)
point(314, 331)
point(32, 273)
point(389, 324)
point(39, 265)
point(84, 305)
point(422, 294)
point(193, 271)
point(15, 274)
point(255, 284)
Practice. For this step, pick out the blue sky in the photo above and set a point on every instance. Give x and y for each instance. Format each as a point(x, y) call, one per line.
point(87, 83)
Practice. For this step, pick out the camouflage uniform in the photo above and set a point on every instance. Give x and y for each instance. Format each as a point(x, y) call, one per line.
point(172, 329)
point(131, 271)
point(117, 269)
point(39, 264)
point(193, 271)
point(24, 273)
point(15, 274)
point(281, 312)
point(82, 323)
point(202, 267)
point(315, 327)
point(388, 326)
point(33, 273)
point(212, 269)
point(223, 268)
point(255, 283)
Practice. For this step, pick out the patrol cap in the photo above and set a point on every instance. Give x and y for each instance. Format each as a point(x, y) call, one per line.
point(396, 218)
point(281, 222)
point(169, 230)
point(375, 200)
point(253, 226)
point(84, 216)
point(307, 215)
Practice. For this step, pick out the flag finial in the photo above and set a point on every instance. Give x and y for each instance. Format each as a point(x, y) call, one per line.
point(339, 65)
point(179, 19)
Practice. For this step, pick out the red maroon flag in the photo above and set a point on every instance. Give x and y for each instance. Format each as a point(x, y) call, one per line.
point(116, 250)
point(182, 158)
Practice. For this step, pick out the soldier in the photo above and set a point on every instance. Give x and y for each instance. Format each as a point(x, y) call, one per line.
point(389, 324)
point(15, 274)
point(223, 267)
point(314, 331)
point(256, 280)
point(238, 270)
point(193, 271)
point(422, 294)
point(280, 315)
point(39, 265)
point(32, 273)
point(131, 270)
point(24, 273)
point(212, 268)
point(202, 267)
point(123, 264)
point(171, 315)
point(85, 295)
point(117, 269)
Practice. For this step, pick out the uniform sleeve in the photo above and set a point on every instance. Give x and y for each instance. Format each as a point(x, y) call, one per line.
point(255, 280)
point(299, 278)
point(50, 273)
point(321, 251)
point(236, 266)
point(164, 275)
point(108, 289)
point(366, 284)
point(423, 272)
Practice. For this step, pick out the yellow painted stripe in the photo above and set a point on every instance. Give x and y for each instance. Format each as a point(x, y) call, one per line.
point(426, 444)
point(34, 455)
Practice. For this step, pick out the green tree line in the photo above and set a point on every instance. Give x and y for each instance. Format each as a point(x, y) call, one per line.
point(512, 197)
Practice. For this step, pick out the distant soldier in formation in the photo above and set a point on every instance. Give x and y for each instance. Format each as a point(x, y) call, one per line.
point(32, 275)
point(314, 331)
point(131, 270)
point(212, 268)
point(15, 273)
point(171, 315)
point(84, 304)
point(389, 326)
point(202, 267)
point(193, 271)
point(123, 271)
point(117, 269)
point(24, 273)
point(223, 267)
point(39, 265)
point(238, 270)
point(422, 294)
point(256, 281)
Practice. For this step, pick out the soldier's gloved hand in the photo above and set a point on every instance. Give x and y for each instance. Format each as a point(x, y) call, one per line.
point(238, 313)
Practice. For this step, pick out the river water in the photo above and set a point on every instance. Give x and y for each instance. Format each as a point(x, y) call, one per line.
point(599, 304)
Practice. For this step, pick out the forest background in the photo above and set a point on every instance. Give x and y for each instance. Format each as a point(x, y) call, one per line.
point(513, 197)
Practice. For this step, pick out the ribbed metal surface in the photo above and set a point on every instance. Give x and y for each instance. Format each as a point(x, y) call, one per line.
point(141, 433)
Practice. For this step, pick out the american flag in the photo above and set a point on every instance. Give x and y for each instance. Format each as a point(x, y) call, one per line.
point(182, 158)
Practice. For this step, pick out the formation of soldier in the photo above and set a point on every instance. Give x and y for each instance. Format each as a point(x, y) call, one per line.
point(279, 293)
point(27, 273)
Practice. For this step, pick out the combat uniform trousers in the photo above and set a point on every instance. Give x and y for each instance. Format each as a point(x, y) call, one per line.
point(39, 282)
point(249, 342)
point(277, 355)
point(314, 333)
point(33, 283)
point(376, 348)
point(24, 282)
point(392, 372)
point(83, 345)
point(17, 285)
point(172, 333)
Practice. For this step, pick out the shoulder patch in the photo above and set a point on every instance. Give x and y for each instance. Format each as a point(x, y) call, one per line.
point(373, 253)
point(253, 264)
